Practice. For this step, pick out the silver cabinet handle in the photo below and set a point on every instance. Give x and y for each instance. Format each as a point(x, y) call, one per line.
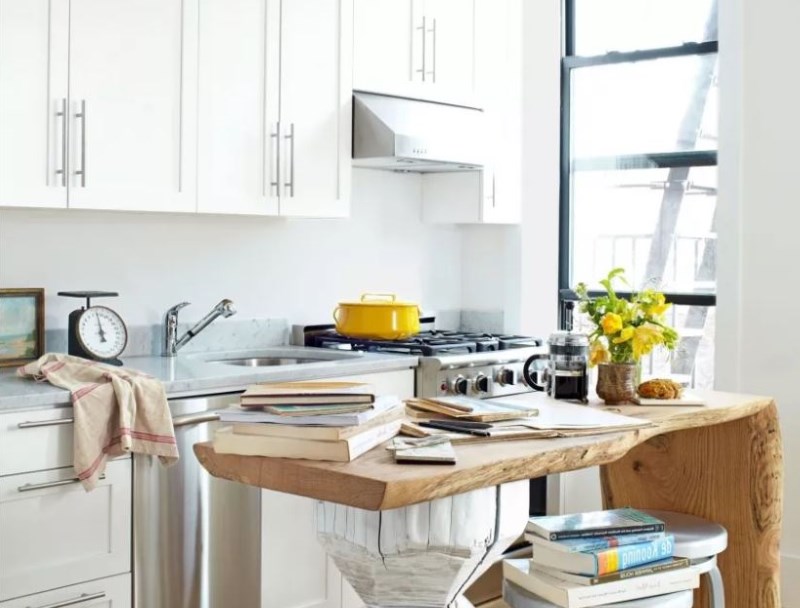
point(30, 487)
point(82, 116)
point(433, 51)
point(40, 423)
point(275, 166)
point(423, 30)
point(208, 416)
point(290, 140)
point(62, 114)
point(84, 597)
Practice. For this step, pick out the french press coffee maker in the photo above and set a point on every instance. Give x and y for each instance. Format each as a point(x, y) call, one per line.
point(562, 373)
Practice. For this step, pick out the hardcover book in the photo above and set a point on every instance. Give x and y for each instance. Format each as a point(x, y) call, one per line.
point(307, 393)
point(594, 524)
point(571, 595)
point(605, 561)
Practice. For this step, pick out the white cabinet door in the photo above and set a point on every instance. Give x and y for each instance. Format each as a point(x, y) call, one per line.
point(450, 45)
point(34, 57)
point(387, 44)
point(239, 62)
point(111, 592)
point(316, 107)
point(296, 572)
point(53, 533)
point(133, 104)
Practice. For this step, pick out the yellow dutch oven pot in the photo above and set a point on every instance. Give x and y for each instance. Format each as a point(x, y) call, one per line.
point(377, 316)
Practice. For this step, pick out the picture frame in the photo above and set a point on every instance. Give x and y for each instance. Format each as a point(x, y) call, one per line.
point(21, 326)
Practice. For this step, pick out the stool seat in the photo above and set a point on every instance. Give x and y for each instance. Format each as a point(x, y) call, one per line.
point(517, 597)
point(694, 537)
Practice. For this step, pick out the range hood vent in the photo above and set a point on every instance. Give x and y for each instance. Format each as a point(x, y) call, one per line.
point(410, 135)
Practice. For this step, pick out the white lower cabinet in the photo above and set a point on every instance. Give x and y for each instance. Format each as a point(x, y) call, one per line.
point(295, 571)
point(54, 534)
point(112, 592)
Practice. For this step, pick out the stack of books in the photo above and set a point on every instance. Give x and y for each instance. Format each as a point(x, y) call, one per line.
point(336, 421)
point(600, 558)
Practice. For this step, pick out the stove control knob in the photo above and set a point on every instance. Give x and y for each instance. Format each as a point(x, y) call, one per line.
point(481, 383)
point(507, 377)
point(459, 385)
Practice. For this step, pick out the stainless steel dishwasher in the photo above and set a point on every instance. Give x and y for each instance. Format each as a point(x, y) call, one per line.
point(197, 539)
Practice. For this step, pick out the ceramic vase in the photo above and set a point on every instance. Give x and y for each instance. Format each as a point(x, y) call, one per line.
point(616, 382)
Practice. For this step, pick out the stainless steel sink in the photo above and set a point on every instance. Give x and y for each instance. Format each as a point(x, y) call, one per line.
point(274, 357)
point(266, 361)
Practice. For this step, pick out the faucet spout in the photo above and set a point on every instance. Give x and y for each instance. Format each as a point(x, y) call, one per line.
point(172, 344)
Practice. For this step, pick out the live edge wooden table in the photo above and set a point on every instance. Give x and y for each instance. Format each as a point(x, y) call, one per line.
point(417, 535)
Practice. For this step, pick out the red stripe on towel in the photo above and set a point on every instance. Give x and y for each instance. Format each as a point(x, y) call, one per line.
point(83, 391)
point(147, 436)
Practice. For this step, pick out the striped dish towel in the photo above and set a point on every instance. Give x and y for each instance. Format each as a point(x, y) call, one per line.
point(116, 411)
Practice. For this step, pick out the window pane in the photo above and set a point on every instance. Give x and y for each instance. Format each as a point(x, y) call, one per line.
point(692, 363)
point(658, 224)
point(602, 26)
point(663, 105)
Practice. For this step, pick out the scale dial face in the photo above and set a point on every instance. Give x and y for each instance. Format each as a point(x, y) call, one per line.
point(102, 333)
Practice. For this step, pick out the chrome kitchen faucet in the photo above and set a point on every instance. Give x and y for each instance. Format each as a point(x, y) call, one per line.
point(172, 344)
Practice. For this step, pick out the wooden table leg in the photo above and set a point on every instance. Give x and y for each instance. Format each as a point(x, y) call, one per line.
point(424, 555)
point(731, 473)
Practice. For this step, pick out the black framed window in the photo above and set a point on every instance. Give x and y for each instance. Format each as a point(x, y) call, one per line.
point(639, 160)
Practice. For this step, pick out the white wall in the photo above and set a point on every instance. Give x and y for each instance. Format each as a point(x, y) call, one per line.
point(271, 268)
point(758, 335)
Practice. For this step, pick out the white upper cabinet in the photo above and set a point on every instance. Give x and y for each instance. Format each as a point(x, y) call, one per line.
point(316, 107)
point(132, 105)
point(33, 98)
point(492, 195)
point(418, 48)
point(238, 105)
point(275, 107)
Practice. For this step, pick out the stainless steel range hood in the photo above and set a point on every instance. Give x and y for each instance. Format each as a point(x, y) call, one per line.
point(400, 134)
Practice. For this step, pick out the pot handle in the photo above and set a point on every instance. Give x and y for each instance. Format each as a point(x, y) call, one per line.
point(378, 296)
point(528, 377)
point(336, 314)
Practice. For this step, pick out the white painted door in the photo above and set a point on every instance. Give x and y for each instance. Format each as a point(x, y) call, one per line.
point(34, 56)
point(387, 44)
point(239, 62)
point(316, 101)
point(450, 45)
point(133, 105)
point(111, 592)
point(53, 533)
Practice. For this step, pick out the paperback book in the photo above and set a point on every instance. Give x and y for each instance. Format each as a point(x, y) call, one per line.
point(605, 561)
point(307, 393)
point(594, 524)
point(666, 565)
point(575, 545)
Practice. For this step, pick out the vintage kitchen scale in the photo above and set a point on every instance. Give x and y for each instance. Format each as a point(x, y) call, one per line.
point(96, 332)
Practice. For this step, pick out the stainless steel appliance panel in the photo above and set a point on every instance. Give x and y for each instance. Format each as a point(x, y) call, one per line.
point(197, 539)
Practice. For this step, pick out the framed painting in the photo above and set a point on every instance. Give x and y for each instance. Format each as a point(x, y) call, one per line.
point(21, 326)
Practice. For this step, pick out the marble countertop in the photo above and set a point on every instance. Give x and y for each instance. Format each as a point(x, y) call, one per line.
point(197, 374)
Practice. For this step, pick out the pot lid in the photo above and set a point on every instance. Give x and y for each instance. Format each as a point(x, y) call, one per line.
point(378, 299)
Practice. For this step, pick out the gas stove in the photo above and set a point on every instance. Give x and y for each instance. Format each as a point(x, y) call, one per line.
point(477, 364)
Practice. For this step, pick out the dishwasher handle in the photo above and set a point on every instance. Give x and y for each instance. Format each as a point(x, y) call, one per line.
point(198, 418)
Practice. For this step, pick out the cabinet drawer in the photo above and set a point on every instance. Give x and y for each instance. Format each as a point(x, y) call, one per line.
point(55, 534)
point(35, 440)
point(112, 592)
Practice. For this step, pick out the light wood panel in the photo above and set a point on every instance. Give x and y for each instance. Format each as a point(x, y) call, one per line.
point(730, 473)
point(375, 482)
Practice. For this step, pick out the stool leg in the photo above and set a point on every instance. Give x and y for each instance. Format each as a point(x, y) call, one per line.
point(716, 589)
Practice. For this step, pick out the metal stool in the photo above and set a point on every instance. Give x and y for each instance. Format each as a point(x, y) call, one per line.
point(701, 541)
point(517, 597)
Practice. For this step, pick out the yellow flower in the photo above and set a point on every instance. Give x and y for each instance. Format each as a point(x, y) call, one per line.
point(611, 323)
point(625, 335)
point(598, 354)
point(657, 306)
point(645, 337)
